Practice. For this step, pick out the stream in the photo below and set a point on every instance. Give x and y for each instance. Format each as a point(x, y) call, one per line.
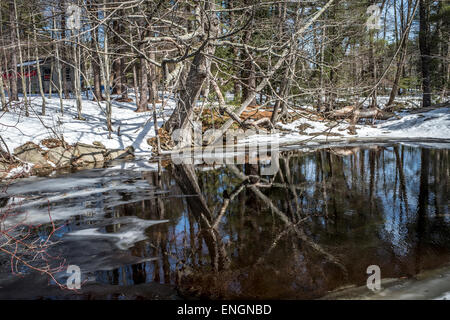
point(227, 232)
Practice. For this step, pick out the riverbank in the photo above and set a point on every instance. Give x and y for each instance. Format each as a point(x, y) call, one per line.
point(430, 284)
point(131, 130)
point(55, 141)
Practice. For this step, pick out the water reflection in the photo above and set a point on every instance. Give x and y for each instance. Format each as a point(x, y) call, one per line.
point(314, 226)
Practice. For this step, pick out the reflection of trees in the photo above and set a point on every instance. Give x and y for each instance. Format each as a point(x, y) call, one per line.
point(430, 226)
point(152, 205)
point(187, 181)
point(209, 220)
point(422, 203)
point(352, 190)
point(324, 216)
point(295, 226)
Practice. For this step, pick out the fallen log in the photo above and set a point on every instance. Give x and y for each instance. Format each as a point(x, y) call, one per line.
point(351, 112)
point(263, 122)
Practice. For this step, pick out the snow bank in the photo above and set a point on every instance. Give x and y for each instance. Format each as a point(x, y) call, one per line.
point(133, 129)
point(130, 128)
point(434, 124)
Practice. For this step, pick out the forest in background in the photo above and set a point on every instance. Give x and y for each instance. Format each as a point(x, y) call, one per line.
point(276, 55)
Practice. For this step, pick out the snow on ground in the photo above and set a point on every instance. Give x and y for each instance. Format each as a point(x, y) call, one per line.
point(432, 124)
point(135, 128)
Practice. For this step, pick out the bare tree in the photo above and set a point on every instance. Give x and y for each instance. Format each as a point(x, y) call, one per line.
point(425, 51)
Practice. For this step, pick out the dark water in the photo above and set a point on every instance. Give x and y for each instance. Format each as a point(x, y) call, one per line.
point(226, 232)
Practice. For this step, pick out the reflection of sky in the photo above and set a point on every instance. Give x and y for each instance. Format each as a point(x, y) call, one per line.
point(183, 223)
point(89, 211)
point(395, 216)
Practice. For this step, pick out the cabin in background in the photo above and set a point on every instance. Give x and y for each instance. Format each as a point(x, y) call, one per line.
point(48, 77)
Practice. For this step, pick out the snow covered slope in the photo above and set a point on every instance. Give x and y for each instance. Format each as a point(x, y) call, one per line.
point(135, 128)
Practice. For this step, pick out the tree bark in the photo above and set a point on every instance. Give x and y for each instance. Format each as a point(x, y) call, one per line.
point(199, 69)
point(425, 51)
point(95, 60)
point(2, 93)
point(143, 96)
point(22, 71)
point(64, 52)
point(248, 73)
point(13, 55)
point(38, 67)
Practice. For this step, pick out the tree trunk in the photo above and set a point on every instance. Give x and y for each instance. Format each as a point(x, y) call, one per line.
point(153, 85)
point(22, 71)
point(425, 51)
point(58, 68)
point(64, 53)
point(248, 74)
point(96, 60)
point(2, 93)
point(373, 68)
point(38, 67)
point(123, 80)
point(97, 81)
point(76, 81)
point(13, 55)
point(188, 95)
point(143, 96)
point(117, 83)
